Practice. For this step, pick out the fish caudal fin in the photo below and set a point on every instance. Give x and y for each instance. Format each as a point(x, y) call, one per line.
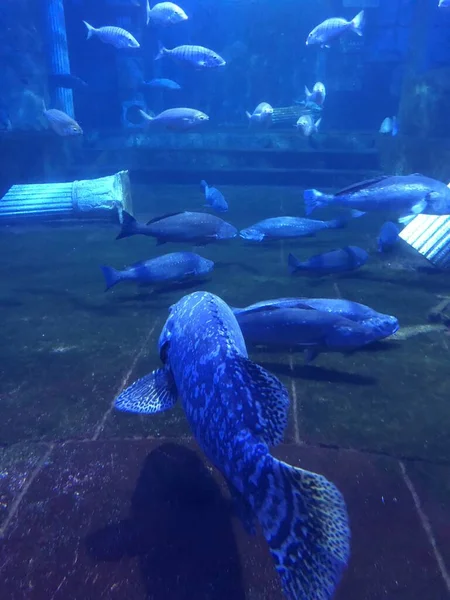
point(293, 263)
point(357, 23)
point(249, 116)
point(148, 118)
point(111, 275)
point(304, 520)
point(90, 30)
point(313, 199)
point(161, 51)
point(129, 226)
point(317, 123)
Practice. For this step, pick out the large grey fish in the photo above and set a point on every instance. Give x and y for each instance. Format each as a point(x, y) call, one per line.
point(399, 193)
point(164, 14)
point(384, 325)
point(335, 261)
point(116, 36)
point(194, 227)
point(261, 116)
point(236, 409)
point(280, 228)
point(334, 28)
point(174, 266)
point(280, 327)
point(195, 56)
point(177, 119)
point(61, 123)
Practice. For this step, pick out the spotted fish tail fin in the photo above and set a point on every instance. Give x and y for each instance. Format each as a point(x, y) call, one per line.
point(304, 520)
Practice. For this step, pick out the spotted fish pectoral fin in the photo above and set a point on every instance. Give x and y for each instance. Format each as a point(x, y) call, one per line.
point(266, 409)
point(150, 394)
point(304, 520)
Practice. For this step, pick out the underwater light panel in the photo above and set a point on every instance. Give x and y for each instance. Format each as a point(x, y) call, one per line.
point(430, 236)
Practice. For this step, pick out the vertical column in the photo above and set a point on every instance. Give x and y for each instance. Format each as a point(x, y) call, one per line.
point(58, 53)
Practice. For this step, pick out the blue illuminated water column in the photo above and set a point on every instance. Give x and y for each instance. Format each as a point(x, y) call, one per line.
point(57, 53)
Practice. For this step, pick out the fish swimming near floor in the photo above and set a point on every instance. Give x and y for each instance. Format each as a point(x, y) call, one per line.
point(160, 83)
point(193, 227)
point(382, 325)
point(332, 29)
point(281, 228)
point(214, 198)
point(261, 116)
point(115, 36)
point(61, 123)
point(194, 56)
point(175, 266)
point(307, 125)
point(341, 260)
point(67, 81)
point(236, 410)
point(176, 119)
point(400, 194)
point(282, 328)
point(388, 237)
point(165, 14)
point(317, 96)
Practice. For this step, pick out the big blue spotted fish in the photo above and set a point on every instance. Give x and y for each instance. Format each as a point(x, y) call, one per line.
point(236, 410)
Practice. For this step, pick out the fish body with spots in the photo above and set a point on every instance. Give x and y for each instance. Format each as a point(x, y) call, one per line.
point(341, 260)
point(236, 410)
point(281, 228)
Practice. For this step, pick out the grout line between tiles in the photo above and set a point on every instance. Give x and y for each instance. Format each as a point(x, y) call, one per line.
point(426, 526)
point(295, 402)
point(15, 505)
point(123, 384)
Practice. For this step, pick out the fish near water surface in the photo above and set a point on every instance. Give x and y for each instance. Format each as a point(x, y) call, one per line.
point(194, 227)
point(176, 119)
point(115, 36)
point(174, 266)
point(165, 14)
point(341, 260)
point(331, 29)
point(236, 409)
point(280, 228)
point(214, 198)
point(399, 193)
point(194, 56)
point(61, 123)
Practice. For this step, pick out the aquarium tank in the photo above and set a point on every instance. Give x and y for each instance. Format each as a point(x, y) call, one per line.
point(225, 299)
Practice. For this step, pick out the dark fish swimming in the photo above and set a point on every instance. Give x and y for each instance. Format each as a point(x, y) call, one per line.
point(388, 237)
point(402, 194)
point(214, 198)
point(193, 227)
point(174, 266)
point(280, 228)
point(382, 324)
point(236, 410)
point(194, 56)
point(66, 80)
point(336, 261)
point(161, 83)
point(283, 327)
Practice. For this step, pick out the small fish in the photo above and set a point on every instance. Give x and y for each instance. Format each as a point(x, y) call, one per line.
point(388, 237)
point(67, 81)
point(236, 410)
point(404, 194)
point(116, 36)
point(193, 227)
point(306, 125)
point(164, 14)
point(317, 96)
point(334, 28)
point(389, 126)
point(384, 325)
point(177, 119)
point(166, 84)
point(444, 4)
point(214, 198)
point(194, 56)
point(282, 328)
point(280, 228)
point(336, 261)
point(175, 266)
point(61, 123)
point(261, 116)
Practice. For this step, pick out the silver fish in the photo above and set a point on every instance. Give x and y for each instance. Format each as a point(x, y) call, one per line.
point(261, 116)
point(195, 56)
point(61, 123)
point(334, 28)
point(177, 119)
point(306, 125)
point(116, 36)
point(318, 94)
point(164, 14)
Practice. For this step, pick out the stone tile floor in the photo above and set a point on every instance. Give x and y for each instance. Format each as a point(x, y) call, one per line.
point(99, 504)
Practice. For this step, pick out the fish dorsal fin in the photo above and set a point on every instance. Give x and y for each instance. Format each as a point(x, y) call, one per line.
point(265, 410)
point(361, 184)
point(166, 216)
point(257, 309)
